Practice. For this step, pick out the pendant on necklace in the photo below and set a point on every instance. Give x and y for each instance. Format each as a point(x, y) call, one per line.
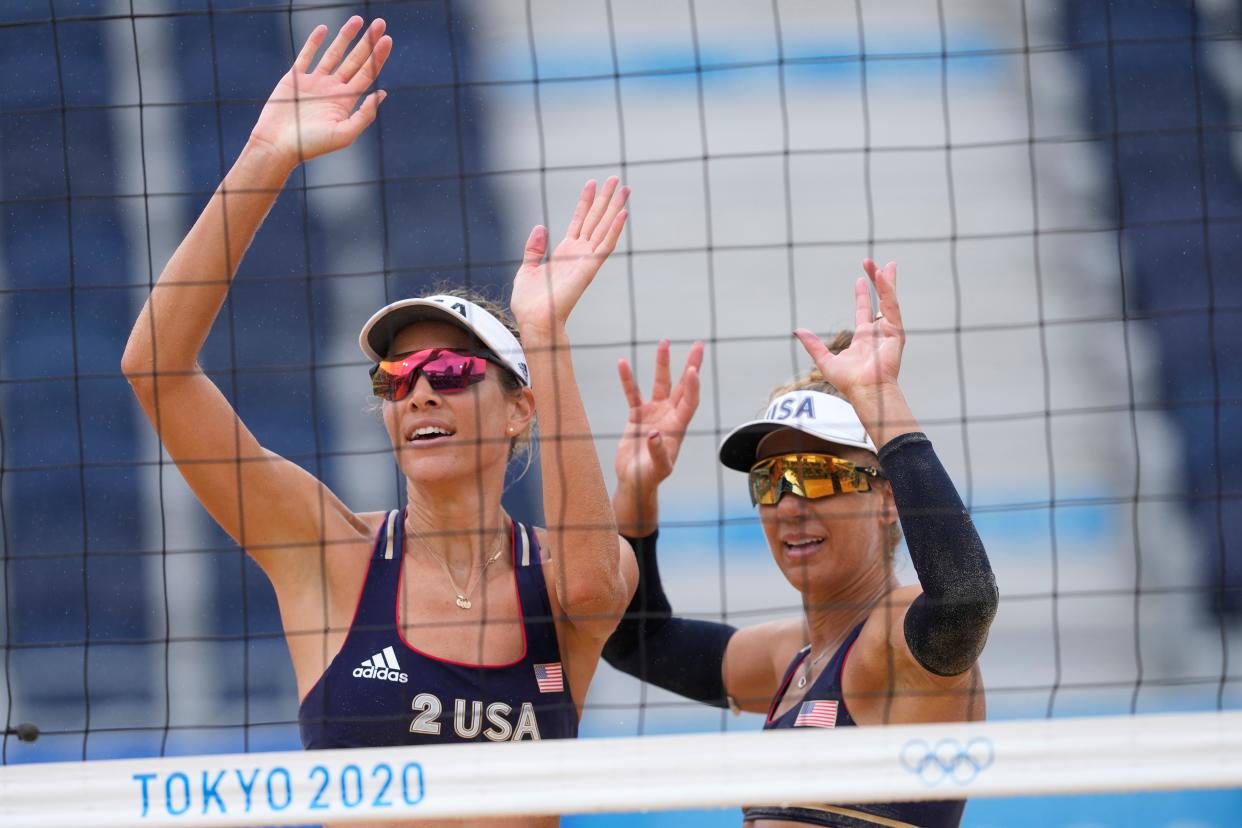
point(801, 682)
point(463, 602)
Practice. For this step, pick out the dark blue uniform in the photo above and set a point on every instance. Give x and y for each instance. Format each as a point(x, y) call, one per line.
point(824, 706)
point(381, 692)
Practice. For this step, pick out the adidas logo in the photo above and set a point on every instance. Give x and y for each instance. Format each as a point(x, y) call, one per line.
point(383, 666)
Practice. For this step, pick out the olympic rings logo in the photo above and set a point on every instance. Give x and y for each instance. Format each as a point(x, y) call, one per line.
point(947, 759)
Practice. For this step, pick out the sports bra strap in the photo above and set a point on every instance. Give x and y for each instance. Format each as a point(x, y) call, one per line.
point(523, 540)
point(541, 643)
point(784, 685)
point(377, 601)
point(388, 533)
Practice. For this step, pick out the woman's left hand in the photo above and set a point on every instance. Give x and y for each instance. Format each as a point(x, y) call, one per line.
point(657, 426)
point(311, 110)
point(544, 293)
point(873, 358)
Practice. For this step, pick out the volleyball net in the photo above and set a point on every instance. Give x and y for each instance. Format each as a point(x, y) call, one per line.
point(1058, 183)
point(1019, 758)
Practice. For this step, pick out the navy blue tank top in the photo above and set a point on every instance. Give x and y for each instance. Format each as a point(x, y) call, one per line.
point(823, 706)
point(381, 692)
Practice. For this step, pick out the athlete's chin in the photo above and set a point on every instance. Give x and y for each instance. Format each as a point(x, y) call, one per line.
point(443, 468)
point(806, 581)
point(431, 473)
point(808, 572)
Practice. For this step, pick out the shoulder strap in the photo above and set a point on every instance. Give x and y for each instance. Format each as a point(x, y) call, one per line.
point(540, 629)
point(377, 605)
point(523, 543)
point(836, 666)
point(784, 685)
point(388, 532)
point(829, 681)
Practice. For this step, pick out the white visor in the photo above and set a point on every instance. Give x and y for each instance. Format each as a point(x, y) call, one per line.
point(821, 415)
point(379, 331)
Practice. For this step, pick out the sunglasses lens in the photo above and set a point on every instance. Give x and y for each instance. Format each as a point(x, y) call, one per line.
point(822, 477)
point(850, 480)
point(807, 475)
point(454, 372)
point(447, 371)
point(387, 381)
point(763, 491)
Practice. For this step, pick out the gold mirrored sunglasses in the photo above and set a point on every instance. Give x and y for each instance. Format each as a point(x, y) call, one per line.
point(807, 475)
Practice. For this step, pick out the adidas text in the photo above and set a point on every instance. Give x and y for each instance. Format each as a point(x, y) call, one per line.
point(381, 673)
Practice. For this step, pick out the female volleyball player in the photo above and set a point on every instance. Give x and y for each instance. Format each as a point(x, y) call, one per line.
point(865, 650)
point(447, 622)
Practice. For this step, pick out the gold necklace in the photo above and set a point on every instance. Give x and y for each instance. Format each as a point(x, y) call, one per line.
point(463, 596)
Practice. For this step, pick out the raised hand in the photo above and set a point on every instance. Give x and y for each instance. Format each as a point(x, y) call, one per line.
point(655, 429)
point(311, 110)
point(873, 358)
point(544, 293)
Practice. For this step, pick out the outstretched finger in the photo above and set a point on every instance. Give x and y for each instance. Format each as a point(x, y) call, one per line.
point(889, 271)
point(662, 383)
point(815, 348)
point(862, 303)
point(633, 397)
point(687, 395)
point(371, 66)
point(885, 281)
point(694, 360)
point(870, 268)
point(602, 199)
point(360, 55)
point(604, 249)
point(615, 204)
point(584, 204)
point(310, 47)
point(536, 246)
point(332, 57)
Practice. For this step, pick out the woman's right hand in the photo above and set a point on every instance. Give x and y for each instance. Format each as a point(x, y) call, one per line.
point(544, 293)
point(866, 372)
point(311, 110)
point(873, 359)
point(652, 438)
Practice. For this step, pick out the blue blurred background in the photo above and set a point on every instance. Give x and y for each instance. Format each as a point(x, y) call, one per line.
point(1059, 182)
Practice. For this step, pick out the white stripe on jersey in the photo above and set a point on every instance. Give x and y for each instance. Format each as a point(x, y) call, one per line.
point(392, 522)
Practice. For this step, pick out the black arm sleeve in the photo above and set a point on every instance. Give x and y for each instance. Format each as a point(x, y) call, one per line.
point(947, 626)
point(682, 655)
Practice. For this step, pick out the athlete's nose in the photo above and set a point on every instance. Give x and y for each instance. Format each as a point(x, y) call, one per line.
point(422, 395)
point(791, 506)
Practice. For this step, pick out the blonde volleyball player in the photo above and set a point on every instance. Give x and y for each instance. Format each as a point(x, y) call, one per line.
point(865, 650)
point(384, 612)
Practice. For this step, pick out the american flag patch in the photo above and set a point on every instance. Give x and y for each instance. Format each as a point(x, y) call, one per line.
point(550, 678)
point(817, 714)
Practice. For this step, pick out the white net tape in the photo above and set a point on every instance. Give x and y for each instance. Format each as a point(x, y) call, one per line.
point(938, 761)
